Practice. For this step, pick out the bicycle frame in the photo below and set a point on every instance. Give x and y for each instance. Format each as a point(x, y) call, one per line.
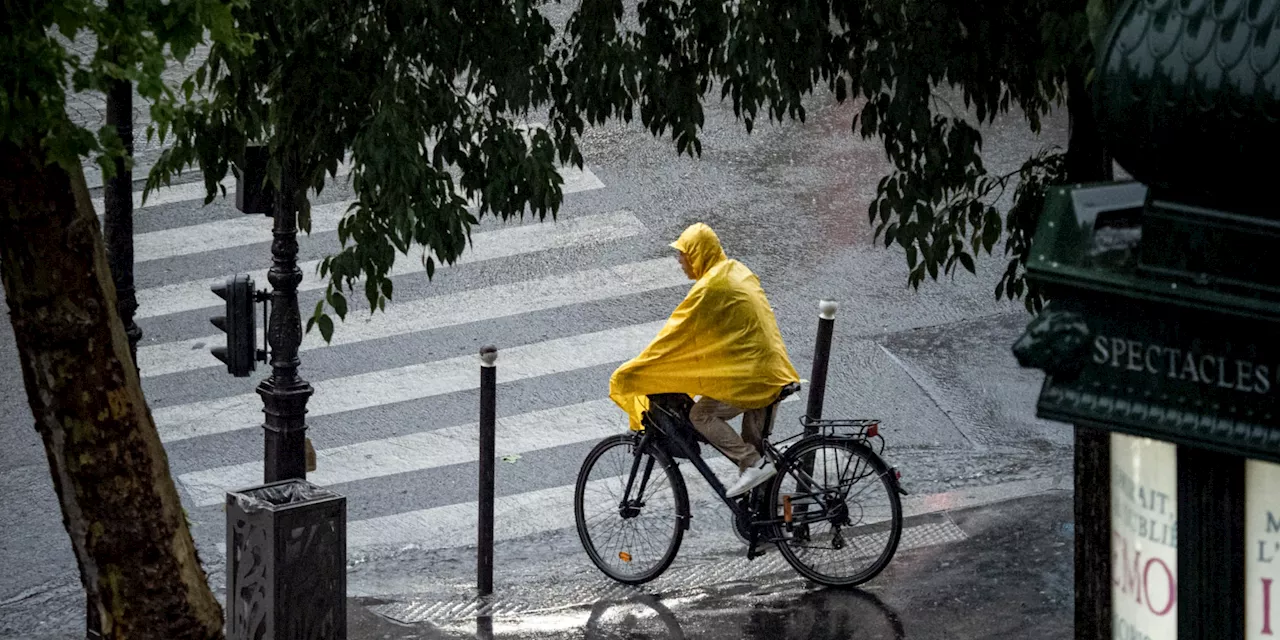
point(738, 505)
point(814, 502)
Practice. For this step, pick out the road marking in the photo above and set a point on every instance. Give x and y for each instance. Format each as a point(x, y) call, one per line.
point(191, 191)
point(551, 509)
point(254, 229)
point(464, 307)
point(413, 382)
point(519, 434)
point(515, 516)
point(966, 497)
point(487, 245)
point(544, 429)
point(454, 525)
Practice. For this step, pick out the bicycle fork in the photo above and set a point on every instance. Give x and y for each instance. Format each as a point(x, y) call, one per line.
point(629, 507)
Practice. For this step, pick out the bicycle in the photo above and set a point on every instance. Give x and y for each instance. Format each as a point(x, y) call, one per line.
point(805, 505)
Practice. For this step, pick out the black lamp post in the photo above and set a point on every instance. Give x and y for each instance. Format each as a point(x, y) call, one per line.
point(285, 393)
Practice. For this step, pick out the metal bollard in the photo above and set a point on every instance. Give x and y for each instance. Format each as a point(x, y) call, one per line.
point(484, 624)
point(821, 358)
point(488, 418)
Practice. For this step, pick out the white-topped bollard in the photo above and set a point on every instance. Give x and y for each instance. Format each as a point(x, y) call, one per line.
point(488, 419)
point(488, 356)
point(821, 358)
point(827, 309)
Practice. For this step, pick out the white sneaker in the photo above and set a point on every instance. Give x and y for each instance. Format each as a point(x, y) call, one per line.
point(752, 477)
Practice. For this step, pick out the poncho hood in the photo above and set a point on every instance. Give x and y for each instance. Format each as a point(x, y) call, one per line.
point(702, 246)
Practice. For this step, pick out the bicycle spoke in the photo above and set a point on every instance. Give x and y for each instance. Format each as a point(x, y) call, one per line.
point(628, 535)
point(866, 522)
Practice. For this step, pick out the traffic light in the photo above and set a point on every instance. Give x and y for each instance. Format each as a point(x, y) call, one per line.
point(238, 323)
point(253, 195)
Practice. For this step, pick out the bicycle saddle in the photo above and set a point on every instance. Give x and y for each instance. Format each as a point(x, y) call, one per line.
point(788, 390)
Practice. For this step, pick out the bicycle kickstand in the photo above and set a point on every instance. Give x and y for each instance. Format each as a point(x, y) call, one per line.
point(753, 534)
point(752, 551)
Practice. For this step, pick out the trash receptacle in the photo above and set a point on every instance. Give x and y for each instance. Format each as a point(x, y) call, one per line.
point(286, 562)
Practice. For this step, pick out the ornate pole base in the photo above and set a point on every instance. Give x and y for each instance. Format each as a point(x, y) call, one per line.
point(285, 430)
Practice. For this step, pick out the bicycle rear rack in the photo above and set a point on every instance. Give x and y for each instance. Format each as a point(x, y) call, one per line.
point(862, 429)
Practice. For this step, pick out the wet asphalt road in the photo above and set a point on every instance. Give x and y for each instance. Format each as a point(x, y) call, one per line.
point(788, 200)
point(1010, 577)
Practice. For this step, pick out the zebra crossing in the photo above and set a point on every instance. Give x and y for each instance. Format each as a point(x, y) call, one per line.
point(203, 435)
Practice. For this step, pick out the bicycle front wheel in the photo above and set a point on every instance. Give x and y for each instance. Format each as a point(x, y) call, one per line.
point(846, 518)
point(630, 508)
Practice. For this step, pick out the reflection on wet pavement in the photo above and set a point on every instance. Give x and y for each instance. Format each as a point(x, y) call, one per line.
point(797, 613)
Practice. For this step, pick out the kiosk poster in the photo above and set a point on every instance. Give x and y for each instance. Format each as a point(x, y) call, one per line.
point(1262, 548)
point(1144, 485)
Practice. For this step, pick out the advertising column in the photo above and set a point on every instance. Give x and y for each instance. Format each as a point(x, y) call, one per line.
point(1144, 541)
point(1262, 546)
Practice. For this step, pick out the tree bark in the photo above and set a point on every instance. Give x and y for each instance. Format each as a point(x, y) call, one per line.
point(119, 504)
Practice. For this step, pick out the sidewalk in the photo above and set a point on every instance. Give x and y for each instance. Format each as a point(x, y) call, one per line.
point(1010, 576)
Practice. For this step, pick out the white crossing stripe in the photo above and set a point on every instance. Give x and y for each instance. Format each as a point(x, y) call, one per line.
point(544, 429)
point(473, 305)
point(413, 382)
point(191, 191)
point(519, 434)
point(454, 525)
point(515, 516)
point(254, 229)
point(225, 234)
point(487, 245)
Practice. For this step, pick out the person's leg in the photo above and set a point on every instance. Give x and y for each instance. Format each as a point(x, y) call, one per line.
point(753, 423)
point(708, 416)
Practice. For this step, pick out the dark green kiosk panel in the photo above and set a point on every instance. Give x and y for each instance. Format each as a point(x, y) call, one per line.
point(1160, 342)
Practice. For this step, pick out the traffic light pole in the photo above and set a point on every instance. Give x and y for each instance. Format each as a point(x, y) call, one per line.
point(117, 229)
point(117, 196)
point(284, 393)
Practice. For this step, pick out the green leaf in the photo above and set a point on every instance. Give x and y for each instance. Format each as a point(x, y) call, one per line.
point(511, 458)
point(991, 228)
point(304, 216)
point(326, 327)
point(339, 303)
point(371, 293)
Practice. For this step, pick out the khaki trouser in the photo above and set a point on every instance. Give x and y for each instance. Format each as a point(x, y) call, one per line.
point(709, 417)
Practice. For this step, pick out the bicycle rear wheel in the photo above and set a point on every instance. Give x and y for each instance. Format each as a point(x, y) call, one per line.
point(846, 515)
point(631, 536)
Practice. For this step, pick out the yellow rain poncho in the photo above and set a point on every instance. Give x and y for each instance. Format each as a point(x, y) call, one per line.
point(722, 341)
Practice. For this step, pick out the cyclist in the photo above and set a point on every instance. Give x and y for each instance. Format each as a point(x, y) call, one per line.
point(721, 343)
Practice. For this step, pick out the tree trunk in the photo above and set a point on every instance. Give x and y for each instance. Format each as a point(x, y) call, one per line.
point(119, 504)
point(1087, 156)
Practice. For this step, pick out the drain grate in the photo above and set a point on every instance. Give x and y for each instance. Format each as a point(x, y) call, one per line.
point(677, 580)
